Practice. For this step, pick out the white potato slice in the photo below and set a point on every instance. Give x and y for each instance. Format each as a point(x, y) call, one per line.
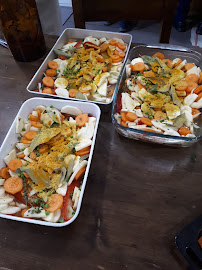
point(19, 124)
point(62, 92)
point(11, 210)
point(10, 156)
point(71, 110)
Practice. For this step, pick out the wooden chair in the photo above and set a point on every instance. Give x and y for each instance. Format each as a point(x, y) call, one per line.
point(126, 10)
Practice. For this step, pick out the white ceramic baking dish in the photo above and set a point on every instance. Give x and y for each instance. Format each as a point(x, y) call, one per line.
point(11, 139)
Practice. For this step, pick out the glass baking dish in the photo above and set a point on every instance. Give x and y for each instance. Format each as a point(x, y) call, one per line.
point(170, 52)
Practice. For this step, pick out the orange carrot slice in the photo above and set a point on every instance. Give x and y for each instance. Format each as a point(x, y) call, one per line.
point(56, 201)
point(47, 90)
point(4, 173)
point(146, 121)
point(199, 97)
point(177, 63)
point(48, 81)
point(80, 173)
point(159, 55)
point(14, 164)
point(112, 42)
point(30, 135)
point(25, 140)
point(13, 185)
point(36, 124)
point(83, 151)
point(72, 93)
point(184, 131)
point(131, 116)
point(168, 62)
point(100, 59)
point(191, 86)
point(52, 64)
point(139, 67)
point(188, 66)
point(149, 74)
point(123, 117)
point(81, 119)
point(124, 124)
point(181, 86)
point(23, 213)
point(21, 155)
point(198, 89)
point(43, 149)
point(51, 72)
point(191, 78)
point(194, 112)
point(33, 118)
point(121, 46)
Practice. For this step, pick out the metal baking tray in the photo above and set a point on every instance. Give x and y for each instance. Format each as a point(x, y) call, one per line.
point(11, 139)
point(74, 33)
point(171, 52)
point(187, 243)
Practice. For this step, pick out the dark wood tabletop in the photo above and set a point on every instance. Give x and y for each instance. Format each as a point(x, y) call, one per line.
point(138, 197)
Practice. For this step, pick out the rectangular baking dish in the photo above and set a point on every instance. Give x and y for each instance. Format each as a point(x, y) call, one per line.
point(11, 138)
point(170, 52)
point(73, 33)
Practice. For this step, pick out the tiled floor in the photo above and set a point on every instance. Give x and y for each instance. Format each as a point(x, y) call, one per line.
point(143, 32)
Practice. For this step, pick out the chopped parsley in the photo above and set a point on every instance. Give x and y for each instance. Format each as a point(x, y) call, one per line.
point(23, 129)
point(51, 106)
point(73, 213)
point(71, 195)
point(61, 220)
point(19, 138)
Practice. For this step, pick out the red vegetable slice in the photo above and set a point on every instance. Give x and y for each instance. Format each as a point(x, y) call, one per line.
point(119, 104)
point(78, 44)
point(20, 198)
point(90, 45)
point(70, 190)
point(62, 57)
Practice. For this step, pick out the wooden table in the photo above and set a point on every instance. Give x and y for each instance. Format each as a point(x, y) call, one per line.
point(138, 197)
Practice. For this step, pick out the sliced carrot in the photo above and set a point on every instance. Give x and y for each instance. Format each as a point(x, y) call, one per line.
point(72, 93)
point(104, 69)
point(181, 86)
point(184, 131)
point(159, 55)
point(139, 67)
point(200, 78)
point(52, 64)
point(80, 173)
point(36, 124)
point(188, 66)
point(117, 60)
point(56, 201)
point(131, 116)
point(23, 213)
point(112, 42)
point(199, 97)
point(168, 62)
point(47, 90)
point(149, 74)
point(123, 116)
point(115, 57)
point(103, 47)
point(38, 112)
point(146, 121)
point(150, 130)
point(13, 185)
point(121, 54)
point(21, 155)
point(177, 63)
point(30, 135)
point(116, 52)
point(48, 81)
point(194, 112)
point(81, 119)
point(43, 149)
point(4, 173)
point(198, 89)
point(51, 72)
point(83, 151)
point(14, 164)
point(124, 124)
point(25, 140)
point(121, 46)
point(33, 118)
point(191, 78)
point(100, 59)
point(191, 86)
point(33, 155)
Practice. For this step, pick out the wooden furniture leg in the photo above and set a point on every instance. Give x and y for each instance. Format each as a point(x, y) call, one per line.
point(79, 20)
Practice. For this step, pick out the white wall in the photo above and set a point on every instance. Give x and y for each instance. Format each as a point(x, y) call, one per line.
point(66, 3)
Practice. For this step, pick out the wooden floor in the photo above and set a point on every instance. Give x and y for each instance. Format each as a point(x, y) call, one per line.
point(143, 32)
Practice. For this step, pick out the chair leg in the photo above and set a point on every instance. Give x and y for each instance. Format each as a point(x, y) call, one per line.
point(79, 21)
point(165, 31)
